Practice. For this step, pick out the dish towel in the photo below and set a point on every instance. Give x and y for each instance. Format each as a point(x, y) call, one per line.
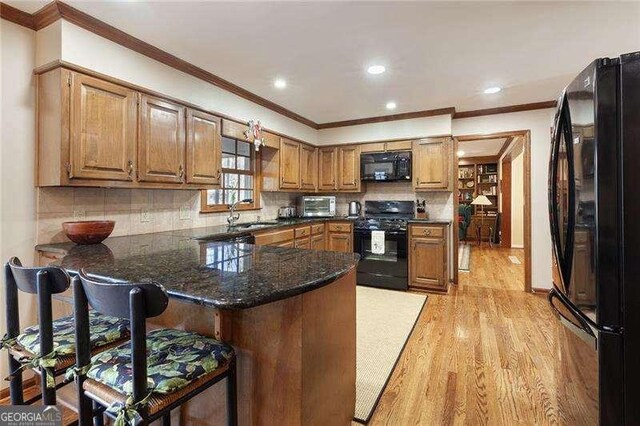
point(377, 242)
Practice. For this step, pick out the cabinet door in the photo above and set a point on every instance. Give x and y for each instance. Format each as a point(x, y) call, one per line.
point(427, 264)
point(289, 164)
point(349, 168)
point(161, 151)
point(103, 120)
point(303, 243)
point(204, 154)
point(318, 242)
point(327, 168)
point(431, 163)
point(308, 167)
point(340, 242)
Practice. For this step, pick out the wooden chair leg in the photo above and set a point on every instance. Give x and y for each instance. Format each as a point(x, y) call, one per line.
point(166, 419)
point(48, 394)
point(232, 396)
point(15, 385)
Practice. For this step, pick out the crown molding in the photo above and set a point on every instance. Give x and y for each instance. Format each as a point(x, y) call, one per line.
point(17, 16)
point(393, 117)
point(504, 110)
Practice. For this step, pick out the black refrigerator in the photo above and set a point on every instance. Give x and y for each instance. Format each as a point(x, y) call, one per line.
point(594, 208)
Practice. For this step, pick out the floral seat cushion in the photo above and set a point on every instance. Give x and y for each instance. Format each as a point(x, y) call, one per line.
point(175, 359)
point(104, 330)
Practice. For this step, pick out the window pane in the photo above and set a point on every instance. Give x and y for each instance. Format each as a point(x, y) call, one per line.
point(244, 148)
point(230, 180)
point(246, 194)
point(246, 182)
point(228, 161)
point(244, 163)
point(230, 196)
point(214, 196)
point(228, 145)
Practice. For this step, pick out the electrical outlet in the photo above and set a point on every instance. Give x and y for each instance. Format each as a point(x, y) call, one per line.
point(78, 215)
point(185, 211)
point(145, 216)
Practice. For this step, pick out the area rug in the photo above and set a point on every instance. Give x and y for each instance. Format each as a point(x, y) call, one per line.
point(385, 319)
point(464, 257)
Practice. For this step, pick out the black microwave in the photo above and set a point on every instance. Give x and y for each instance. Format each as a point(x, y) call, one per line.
point(385, 166)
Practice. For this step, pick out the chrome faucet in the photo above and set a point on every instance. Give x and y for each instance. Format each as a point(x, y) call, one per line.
point(233, 216)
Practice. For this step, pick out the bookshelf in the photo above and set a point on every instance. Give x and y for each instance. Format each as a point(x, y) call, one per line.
point(477, 177)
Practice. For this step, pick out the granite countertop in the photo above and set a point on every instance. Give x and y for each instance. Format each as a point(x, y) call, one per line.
point(192, 266)
point(218, 274)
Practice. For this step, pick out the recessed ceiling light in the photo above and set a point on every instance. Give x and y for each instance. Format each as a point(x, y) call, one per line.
point(376, 69)
point(490, 90)
point(391, 105)
point(280, 83)
point(460, 153)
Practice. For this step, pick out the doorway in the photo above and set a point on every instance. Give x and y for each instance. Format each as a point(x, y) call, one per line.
point(493, 188)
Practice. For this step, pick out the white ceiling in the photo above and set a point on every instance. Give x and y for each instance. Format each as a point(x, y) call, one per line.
point(481, 148)
point(437, 54)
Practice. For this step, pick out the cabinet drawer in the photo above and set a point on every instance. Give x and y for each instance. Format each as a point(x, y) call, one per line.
point(317, 228)
point(303, 231)
point(427, 231)
point(304, 243)
point(274, 237)
point(339, 227)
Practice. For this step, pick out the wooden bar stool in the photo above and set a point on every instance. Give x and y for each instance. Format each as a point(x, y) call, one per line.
point(141, 381)
point(49, 347)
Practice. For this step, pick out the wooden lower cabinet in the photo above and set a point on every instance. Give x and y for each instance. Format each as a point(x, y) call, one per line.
point(428, 258)
point(333, 236)
point(318, 242)
point(340, 237)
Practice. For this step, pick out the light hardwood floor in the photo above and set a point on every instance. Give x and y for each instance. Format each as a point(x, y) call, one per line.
point(486, 353)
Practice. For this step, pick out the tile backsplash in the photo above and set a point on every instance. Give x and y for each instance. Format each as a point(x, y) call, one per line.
point(439, 204)
point(136, 211)
point(141, 211)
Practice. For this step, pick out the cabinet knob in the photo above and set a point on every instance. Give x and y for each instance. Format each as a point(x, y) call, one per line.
point(218, 173)
point(181, 173)
point(427, 232)
point(417, 181)
point(130, 168)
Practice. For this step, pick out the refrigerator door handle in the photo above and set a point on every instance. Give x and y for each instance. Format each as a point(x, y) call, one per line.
point(582, 329)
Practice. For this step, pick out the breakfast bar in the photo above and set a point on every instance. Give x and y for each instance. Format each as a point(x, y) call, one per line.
point(289, 313)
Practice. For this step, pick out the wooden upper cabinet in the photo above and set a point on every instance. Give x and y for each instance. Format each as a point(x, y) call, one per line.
point(161, 148)
point(432, 164)
point(327, 169)
point(308, 167)
point(349, 168)
point(289, 164)
point(204, 151)
point(102, 129)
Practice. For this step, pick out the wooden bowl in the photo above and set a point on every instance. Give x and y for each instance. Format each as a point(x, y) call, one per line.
point(88, 231)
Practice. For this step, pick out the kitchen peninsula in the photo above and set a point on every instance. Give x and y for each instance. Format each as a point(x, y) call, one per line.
point(289, 313)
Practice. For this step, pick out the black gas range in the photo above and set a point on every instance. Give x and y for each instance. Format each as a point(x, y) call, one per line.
point(383, 265)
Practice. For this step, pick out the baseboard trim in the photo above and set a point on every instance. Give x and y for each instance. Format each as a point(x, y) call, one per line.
point(540, 290)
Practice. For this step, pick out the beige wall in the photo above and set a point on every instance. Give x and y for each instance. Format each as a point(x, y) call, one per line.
point(517, 202)
point(17, 156)
point(409, 129)
point(539, 122)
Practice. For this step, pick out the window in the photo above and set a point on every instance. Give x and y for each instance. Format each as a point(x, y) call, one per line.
point(239, 178)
